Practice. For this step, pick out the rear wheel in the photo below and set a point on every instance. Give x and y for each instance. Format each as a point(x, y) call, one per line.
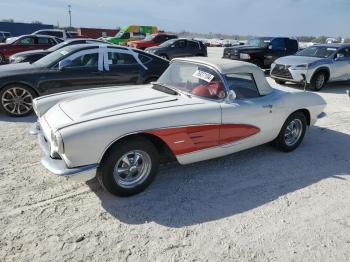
point(292, 132)
point(17, 100)
point(2, 59)
point(318, 81)
point(129, 167)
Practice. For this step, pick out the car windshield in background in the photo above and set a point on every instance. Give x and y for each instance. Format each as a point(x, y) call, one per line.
point(11, 40)
point(193, 79)
point(149, 37)
point(259, 42)
point(119, 34)
point(317, 51)
point(168, 43)
point(53, 57)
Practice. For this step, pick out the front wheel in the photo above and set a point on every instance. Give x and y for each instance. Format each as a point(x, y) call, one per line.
point(129, 167)
point(17, 100)
point(292, 132)
point(318, 81)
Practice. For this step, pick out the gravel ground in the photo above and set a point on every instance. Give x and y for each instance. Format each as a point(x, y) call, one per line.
point(256, 205)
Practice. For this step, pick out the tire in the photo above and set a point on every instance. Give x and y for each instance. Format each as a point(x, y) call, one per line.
point(280, 82)
point(17, 100)
point(288, 143)
point(2, 59)
point(129, 180)
point(318, 81)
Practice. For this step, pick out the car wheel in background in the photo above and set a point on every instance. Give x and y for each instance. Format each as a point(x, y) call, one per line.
point(17, 100)
point(292, 132)
point(318, 81)
point(280, 82)
point(128, 167)
point(2, 59)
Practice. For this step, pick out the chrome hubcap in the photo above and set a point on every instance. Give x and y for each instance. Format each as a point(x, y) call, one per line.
point(17, 101)
point(132, 169)
point(293, 132)
point(320, 81)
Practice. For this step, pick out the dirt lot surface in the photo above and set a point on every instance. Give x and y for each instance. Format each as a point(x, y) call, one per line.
point(256, 205)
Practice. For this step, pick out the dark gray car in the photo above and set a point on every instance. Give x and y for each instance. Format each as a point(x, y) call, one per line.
point(179, 48)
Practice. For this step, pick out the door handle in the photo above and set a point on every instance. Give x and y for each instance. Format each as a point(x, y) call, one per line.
point(267, 106)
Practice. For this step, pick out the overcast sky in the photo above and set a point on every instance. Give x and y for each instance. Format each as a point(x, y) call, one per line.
point(244, 17)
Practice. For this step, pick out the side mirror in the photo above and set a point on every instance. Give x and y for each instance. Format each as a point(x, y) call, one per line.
point(63, 63)
point(231, 95)
point(172, 46)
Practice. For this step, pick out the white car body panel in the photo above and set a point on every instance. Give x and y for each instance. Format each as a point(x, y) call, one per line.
point(90, 121)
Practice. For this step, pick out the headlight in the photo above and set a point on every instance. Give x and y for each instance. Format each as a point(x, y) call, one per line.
point(56, 144)
point(299, 67)
point(17, 59)
point(244, 56)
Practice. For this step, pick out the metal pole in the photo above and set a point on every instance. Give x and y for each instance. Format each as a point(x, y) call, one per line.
point(70, 16)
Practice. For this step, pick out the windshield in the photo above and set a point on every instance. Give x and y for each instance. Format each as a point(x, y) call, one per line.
point(259, 42)
point(168, 43)
point(193, 79)
point(119, 34)
point(317, 51)
point(11, 40)
point(53, 57)
point(149, 37)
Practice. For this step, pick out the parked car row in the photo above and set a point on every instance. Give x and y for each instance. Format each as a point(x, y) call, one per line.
point(24, 43)
point(75, 67)
point(315, 65)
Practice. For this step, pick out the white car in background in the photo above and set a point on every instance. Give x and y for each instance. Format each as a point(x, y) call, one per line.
point(200, 108)
point(317, 64)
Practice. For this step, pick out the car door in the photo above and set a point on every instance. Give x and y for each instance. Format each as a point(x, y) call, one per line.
point(43, 42)
point(122, 68)
point(81, 72)
point(193, 48)
point(341, 65)
point(179, 49)
point(250, 118)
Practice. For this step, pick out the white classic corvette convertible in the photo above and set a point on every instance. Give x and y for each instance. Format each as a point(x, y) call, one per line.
point(200, 108)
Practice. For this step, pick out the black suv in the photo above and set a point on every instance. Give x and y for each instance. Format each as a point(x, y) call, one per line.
point(179, 48)
point(262, 51)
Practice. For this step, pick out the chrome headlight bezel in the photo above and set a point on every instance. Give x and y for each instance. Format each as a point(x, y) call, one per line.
point(57, 146)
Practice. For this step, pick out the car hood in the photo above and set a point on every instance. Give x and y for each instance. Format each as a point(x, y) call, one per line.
point(120, 100)
point(18, 69)
point(296, 60)
point(33, 52)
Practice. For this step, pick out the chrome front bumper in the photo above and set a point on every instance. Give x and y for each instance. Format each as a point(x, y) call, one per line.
point(58, 166)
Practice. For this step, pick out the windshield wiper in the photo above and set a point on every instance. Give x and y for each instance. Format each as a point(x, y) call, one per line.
point(163, 88)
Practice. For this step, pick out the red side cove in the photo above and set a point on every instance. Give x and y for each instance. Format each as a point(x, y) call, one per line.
point(182, 140)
